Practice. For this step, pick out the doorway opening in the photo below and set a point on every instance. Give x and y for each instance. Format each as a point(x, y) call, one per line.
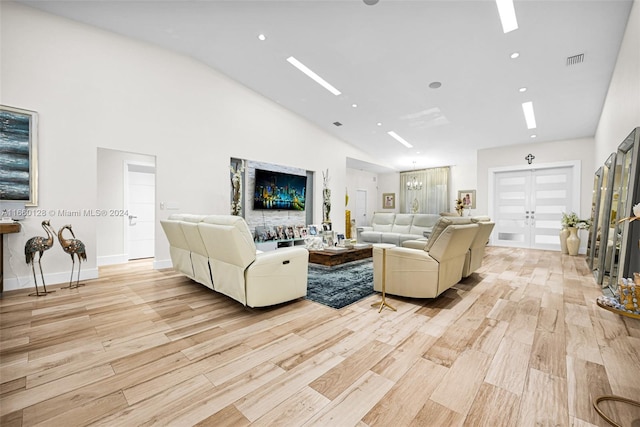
point(126, 192)
point(361, 208)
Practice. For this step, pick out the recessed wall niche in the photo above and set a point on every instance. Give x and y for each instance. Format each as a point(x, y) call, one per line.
point(275, 217)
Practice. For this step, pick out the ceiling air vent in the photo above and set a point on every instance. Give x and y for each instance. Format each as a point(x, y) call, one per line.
point(575, 59)
point(337, 123)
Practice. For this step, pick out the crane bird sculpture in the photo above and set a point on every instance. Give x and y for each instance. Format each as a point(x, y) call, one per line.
point(39, 245)
point(73, 247)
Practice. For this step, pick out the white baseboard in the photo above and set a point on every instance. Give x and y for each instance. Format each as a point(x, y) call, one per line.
point(25, 282)
point(112, 259)
point(159, 265)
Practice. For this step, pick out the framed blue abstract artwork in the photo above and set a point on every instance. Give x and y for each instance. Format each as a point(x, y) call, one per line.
point(18, 155)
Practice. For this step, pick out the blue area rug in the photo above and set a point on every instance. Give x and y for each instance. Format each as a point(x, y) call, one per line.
point(341, 285)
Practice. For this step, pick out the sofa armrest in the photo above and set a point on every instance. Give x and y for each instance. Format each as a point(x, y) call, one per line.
point(277, 276)
point(360, 230)
point(415, 244)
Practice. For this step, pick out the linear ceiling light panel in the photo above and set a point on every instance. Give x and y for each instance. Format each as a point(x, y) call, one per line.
point(322, 82)
point(527, 109)
point(507, 13)
point(398, 138)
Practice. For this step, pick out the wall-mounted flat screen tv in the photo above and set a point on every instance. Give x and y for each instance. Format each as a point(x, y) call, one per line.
point(279, 191)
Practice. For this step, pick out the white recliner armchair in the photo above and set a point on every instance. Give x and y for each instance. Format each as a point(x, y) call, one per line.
point(426, 273)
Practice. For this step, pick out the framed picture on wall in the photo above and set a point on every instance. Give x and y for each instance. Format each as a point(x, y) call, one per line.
point(388, 200)
point(468, 198)
point(19, 159)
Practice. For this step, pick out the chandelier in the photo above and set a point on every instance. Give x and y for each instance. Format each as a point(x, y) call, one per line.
point(413, 183)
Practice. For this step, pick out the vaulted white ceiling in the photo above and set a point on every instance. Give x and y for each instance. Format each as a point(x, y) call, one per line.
point(384, 57)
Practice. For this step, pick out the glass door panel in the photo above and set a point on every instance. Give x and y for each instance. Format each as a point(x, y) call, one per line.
point(511, 203)
point(551, 196)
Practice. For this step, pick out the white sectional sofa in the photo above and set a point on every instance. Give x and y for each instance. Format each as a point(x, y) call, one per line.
point(396, 228)
point(218, 251)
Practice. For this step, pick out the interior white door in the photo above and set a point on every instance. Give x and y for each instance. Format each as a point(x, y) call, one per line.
point(361, 208)
point(528, 206)
point(141, 212)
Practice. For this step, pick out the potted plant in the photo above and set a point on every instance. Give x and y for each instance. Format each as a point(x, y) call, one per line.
point(573, 223)
point(460, 207)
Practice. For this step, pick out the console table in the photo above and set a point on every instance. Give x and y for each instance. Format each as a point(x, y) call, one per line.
point(272, 245)
point(5, 228)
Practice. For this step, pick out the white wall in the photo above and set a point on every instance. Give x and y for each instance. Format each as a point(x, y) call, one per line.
point(94, 89)
point(362, 180)
point(621, 112)
point(388, 183)
point(464, 177)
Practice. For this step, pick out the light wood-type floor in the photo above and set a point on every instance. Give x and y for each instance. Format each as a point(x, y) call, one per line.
point(519, 343)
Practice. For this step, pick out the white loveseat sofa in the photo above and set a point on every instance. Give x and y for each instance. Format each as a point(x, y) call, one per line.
point(218, 251)
point(426, 272)
point(473, 260)
point(396, 228)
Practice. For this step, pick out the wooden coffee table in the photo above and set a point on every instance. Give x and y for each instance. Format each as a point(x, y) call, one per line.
point(331, 258)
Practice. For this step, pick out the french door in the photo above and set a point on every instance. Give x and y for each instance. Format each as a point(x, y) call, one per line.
point(528, 206)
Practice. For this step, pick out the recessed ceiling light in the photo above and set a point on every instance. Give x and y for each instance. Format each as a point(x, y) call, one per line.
point(435, 85)
point(514, 55)
point(354, 105)
point(507, 13)
point(522, 89)
point(262, 37)
point(534, 136)
point(529, 116)
point(322, 82)
point(379, 123)
point(398, 138)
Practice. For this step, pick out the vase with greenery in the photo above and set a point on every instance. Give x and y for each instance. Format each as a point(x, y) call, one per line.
point(460, 207)
point(573, 223)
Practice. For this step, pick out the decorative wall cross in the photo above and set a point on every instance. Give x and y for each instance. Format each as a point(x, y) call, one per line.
point(530, 158)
